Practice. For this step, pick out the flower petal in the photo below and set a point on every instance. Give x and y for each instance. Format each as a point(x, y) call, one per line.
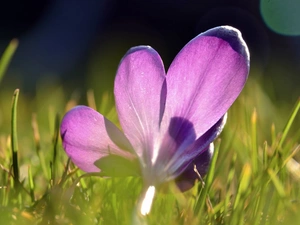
point(176, 162)
point(204, 80)
point(140, 95)
point(88, 136)
point(187, 179)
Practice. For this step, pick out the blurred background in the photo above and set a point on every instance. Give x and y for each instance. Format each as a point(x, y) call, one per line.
point(78, 44)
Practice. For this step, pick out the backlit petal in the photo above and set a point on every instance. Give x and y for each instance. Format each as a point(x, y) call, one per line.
point(140, 97)
point(88, 136)
point(204, 80)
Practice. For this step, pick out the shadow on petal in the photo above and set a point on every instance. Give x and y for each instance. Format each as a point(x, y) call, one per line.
point(182, 131)
point(179, 135)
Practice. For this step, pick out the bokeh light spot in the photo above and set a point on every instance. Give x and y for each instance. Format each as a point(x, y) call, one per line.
point(282, 17)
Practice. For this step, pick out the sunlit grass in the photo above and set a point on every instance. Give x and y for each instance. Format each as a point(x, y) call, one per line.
point(254, 176)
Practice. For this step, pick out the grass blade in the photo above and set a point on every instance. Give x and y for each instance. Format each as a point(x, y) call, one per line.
point(254, 141)
point(37, 140)
point(7, 56)
point(277, 183)
point(208, 182)
point(91, 99)
point(244, 183)
point(14, 137)
point(31, 184)
point(55, 141)
point(290, 122)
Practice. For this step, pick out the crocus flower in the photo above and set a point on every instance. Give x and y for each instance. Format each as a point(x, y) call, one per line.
point(169, 120)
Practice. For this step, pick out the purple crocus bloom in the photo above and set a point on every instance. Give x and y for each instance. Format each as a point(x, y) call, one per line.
point(169, 120)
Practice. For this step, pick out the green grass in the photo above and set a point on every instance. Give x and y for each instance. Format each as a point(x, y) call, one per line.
point(254, 177)
point(7, 56)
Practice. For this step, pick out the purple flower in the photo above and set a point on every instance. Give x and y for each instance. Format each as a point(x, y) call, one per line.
point(169, 120)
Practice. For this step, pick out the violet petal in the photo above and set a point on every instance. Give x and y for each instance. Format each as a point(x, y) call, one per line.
point(140, 96)
point(202, 82)
point(87, 136)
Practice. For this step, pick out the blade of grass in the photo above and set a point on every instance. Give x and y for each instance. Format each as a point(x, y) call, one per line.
point(244, 183)
point(273, 133)
point(260, 201)
point(37, 140)
point(65, 173)
point(229, 183)
point(70, 190)
point(14, 138)
point(208, 182)
point(55, 141)
point(91, 99)
point(289, 123)
point(82, 182)
point(254, 141)
point(238, 207)
point(277, 183)
point(265, 155)
point(104, 103)
point(7, 56)
point(31, 184)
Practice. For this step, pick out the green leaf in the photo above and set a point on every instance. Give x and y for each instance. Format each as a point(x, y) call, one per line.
point(117, 166)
